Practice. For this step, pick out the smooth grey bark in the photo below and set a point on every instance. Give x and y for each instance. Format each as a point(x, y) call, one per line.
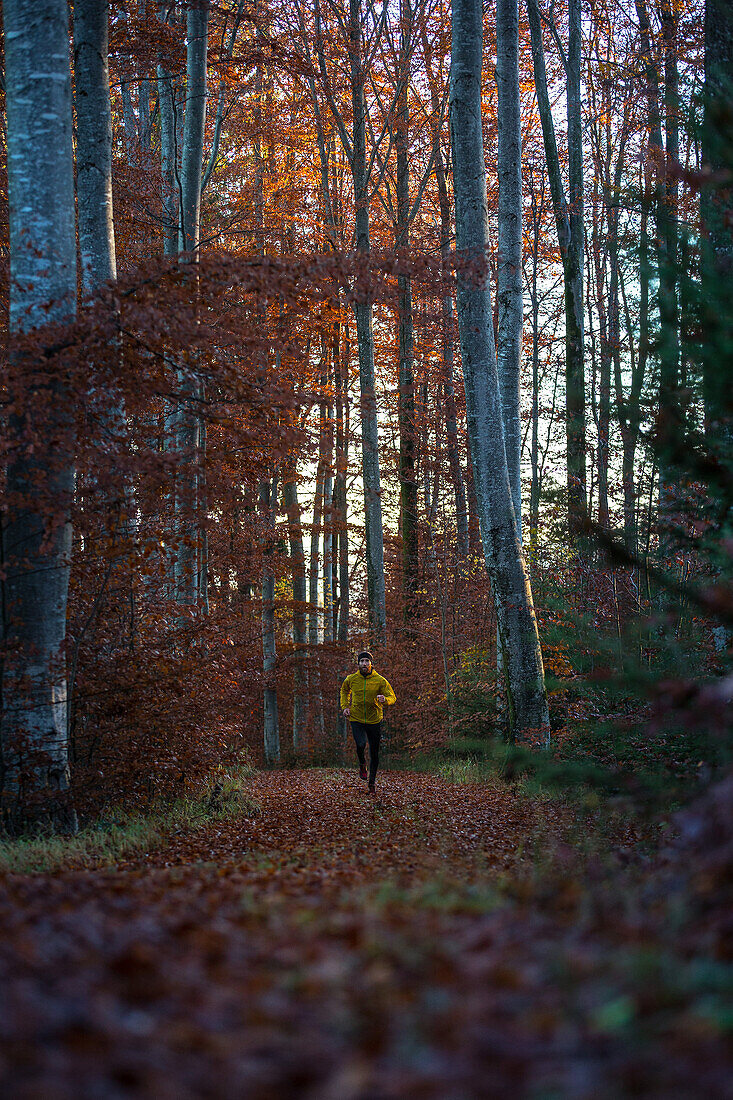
point(670, 358)
point(447, 319)
point(339, 545)
point(354, 146)
point(93, 144)
point(300, 633)
point(94, 172)
point(197, 33)
point(328, 529)
point(40, 476)
point(219, 116)
point(144, 107)
point(341, 382)
point(570, 235)
point(537, 209)
point(94, 163)
point(509, 303)
point(628, 406)
point(601, 407)
point(314, 678)
point(268, 507)
point(169, 160)
point(406, 397)
point(190, 565)
point(604, 263)
point(128, 110)
point(526, 697)
point(665, 201)
point(509, 261)
point(97, 241)
point(376, 592)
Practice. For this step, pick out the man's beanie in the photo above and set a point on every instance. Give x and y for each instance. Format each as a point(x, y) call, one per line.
point(365, 653)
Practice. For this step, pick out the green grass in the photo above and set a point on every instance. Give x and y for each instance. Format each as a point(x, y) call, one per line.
point(469, 769)
point(118, 835)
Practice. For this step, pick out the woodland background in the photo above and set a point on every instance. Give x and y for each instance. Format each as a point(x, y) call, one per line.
point(209, 420)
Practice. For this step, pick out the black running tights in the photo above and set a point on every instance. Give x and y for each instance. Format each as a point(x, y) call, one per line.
point(371, 732)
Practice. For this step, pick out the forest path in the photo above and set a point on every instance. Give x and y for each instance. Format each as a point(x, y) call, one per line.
point(322, 824)
point(328, 946)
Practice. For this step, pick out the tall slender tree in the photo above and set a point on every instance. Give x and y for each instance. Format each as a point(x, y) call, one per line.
point(526, 696)
point(717, 211)
point(570, 235)
point(447, 312)
point(355, 148)
point(406, 351)
point(268, 494)
point(664, 155)
point(36, 533)
point(509, 260)
point(190, 566)
point(94, 143)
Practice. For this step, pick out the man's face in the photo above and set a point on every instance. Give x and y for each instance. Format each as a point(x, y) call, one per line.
point(365, 665)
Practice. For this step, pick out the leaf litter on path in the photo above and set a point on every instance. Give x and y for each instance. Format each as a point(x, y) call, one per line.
point(338, 946)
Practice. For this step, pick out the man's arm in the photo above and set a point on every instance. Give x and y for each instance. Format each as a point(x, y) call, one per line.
point(345, 693)
point(388, 693)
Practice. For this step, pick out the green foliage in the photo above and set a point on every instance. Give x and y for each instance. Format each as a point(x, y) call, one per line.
point(473, 690)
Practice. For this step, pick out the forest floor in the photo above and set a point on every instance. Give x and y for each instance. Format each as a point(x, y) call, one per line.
point(441, 941)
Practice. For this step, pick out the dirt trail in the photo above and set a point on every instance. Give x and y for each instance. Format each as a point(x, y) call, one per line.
point(329, 946)
point(324, 820)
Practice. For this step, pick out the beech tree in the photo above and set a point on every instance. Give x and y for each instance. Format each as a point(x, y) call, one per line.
point(360, 40)
point(94, 143)
point(570, 233)
point(526, 697)
point(187, 423)
point(40, 473)
point(509, 258)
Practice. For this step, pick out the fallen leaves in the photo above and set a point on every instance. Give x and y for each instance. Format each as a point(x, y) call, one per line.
point(333, 946)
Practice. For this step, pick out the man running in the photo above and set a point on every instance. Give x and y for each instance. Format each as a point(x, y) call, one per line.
point(363, 696)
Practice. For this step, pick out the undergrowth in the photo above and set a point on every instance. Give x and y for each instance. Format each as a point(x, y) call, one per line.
point(118, 834)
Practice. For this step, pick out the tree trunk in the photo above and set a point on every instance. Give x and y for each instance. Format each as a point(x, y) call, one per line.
point(509, 304)
point(341, 383)
point(190, 563)
point(527, 701)
point(314, 678)
point(406, 405)
point(365, 342)
point(717, 212)
point(629, 408)
point(169, 159)
point(94, 144)
point(40, 477)
point(569, 222)
point(300, 633)
point(268, 507)
point(447, 322)
point(717, 257)
point(94, 168)
point(509, 282)
point(670, 405)
point(665, 200)
point(603, 419)
point(537, 208)
point(328, 527)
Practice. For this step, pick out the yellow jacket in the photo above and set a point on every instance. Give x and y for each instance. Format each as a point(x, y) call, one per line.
point(360, 694)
